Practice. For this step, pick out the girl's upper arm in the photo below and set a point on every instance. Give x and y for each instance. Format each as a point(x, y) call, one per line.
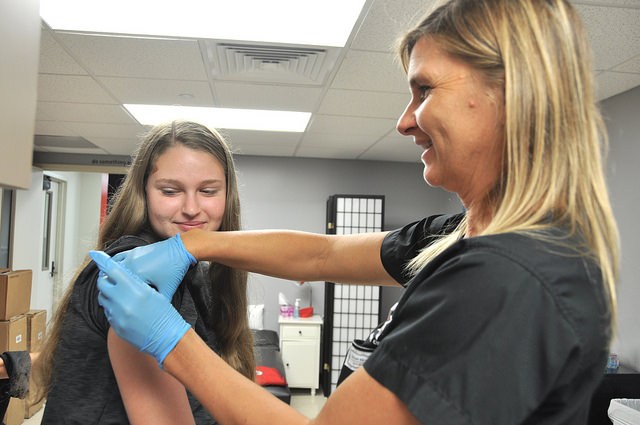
point(149, 394)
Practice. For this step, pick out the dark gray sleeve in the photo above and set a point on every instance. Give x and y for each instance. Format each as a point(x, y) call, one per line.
point(402, 245)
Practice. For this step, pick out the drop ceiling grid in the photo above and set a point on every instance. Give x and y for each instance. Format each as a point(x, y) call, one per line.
point(154, 91)
point(138, 57)
point(611, 47)
point(370, 71)
point(266, 96)
point(361, 104)
point(387, 20)
point(71, 88)
point(358, 103)
point(54, 59)
point(393, 147)
point(58, 111)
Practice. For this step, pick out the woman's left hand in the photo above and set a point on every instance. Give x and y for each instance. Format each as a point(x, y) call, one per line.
point(162, 264)
point(137, 313)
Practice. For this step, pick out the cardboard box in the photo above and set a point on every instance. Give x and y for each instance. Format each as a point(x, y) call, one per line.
point(13, 334)
point(15, 293)
point(15, 412)
point(30, 408)
point(36, 328)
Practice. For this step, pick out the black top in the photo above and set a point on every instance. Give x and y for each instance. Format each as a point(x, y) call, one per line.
point(83, 387)
point(501, 329)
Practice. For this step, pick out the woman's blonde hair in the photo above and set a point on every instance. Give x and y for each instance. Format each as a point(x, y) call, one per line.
point(128, 216)
point(537, 52)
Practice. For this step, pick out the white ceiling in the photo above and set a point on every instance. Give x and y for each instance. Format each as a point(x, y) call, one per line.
point(85, 79)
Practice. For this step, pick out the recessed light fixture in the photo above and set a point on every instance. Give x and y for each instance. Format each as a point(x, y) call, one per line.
point(321, 22)
point(243, 119)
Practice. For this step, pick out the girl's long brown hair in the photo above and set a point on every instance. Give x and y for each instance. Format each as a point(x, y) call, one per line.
point(128, 216)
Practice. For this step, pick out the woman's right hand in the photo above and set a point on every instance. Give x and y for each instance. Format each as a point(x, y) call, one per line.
point(162, 264)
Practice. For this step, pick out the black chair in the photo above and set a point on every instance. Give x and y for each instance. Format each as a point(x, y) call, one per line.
point(615, 385)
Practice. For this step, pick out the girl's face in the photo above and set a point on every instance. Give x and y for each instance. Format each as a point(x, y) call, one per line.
point(185, 190)
point(457, 120)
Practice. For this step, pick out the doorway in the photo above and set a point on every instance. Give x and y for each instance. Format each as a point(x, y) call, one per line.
point(54, 201)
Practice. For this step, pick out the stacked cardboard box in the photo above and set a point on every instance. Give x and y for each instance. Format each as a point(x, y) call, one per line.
point(15, 299)
point(36, 327)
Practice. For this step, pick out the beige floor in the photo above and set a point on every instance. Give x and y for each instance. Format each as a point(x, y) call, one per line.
point(301, 400)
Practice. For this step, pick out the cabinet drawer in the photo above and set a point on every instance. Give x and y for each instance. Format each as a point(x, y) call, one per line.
point(296, 331)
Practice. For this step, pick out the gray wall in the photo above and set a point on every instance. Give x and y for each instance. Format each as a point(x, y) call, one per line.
point(622, 115)
point(291, 193)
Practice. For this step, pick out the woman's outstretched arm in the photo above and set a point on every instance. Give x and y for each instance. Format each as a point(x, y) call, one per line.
point(295, 255)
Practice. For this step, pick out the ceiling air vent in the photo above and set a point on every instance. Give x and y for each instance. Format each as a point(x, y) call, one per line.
point(271, 63)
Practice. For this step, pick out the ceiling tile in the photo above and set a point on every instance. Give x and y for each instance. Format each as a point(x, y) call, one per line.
point(53, 128)
point(394, 147)
point(616, 3)
point(71, 88)
point(159, 92)
point(608, 27)
point(632, 65)
point(116, 146)
point(315, 140)
point(370, 71)
point(54, 59)
point(58, 111)
point(611, 83)
point(247, 142)
point(138, 57)
point(263, 150)
point(342, 125)
point(88, 151)
point(118, 131)
point(386, 21)
point(261, 96)
point(363, 103)
point(340, 152)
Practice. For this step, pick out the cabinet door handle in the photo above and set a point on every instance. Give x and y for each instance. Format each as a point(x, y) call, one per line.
point(299, 332)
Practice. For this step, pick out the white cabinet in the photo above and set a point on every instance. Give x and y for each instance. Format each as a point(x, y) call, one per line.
point(300, 348)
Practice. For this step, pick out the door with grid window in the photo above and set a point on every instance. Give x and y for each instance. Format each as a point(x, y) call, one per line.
point(350, 311)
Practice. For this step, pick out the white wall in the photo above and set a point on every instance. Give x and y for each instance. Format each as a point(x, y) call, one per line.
point(622, 113)
point(291, 193)
point(27, 239)
point(81, 226)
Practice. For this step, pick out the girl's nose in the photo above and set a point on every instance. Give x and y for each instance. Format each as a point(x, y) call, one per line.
point(191, 206)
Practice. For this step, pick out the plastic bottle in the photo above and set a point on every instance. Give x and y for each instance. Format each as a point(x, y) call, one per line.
point(296, 309)
point(612, 364)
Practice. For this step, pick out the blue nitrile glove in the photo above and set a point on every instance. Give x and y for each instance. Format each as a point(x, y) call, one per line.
point(137, 313)
point(162, 264)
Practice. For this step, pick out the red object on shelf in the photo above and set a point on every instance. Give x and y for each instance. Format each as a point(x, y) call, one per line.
point(306, 312)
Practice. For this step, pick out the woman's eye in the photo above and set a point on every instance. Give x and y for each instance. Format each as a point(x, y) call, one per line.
point(423, 92)
point(168, 192)
point(210, 192)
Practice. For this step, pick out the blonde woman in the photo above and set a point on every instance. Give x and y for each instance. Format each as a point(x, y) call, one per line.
point(509, 307)
point(181, 178)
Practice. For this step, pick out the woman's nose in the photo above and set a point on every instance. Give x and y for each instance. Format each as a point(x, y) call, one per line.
point(407, 121)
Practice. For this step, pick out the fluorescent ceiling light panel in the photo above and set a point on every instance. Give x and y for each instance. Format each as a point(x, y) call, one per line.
point(319, 22)
point(242, 119)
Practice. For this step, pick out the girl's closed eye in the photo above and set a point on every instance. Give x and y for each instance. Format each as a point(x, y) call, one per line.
point(169, 191)
point(210, 191)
